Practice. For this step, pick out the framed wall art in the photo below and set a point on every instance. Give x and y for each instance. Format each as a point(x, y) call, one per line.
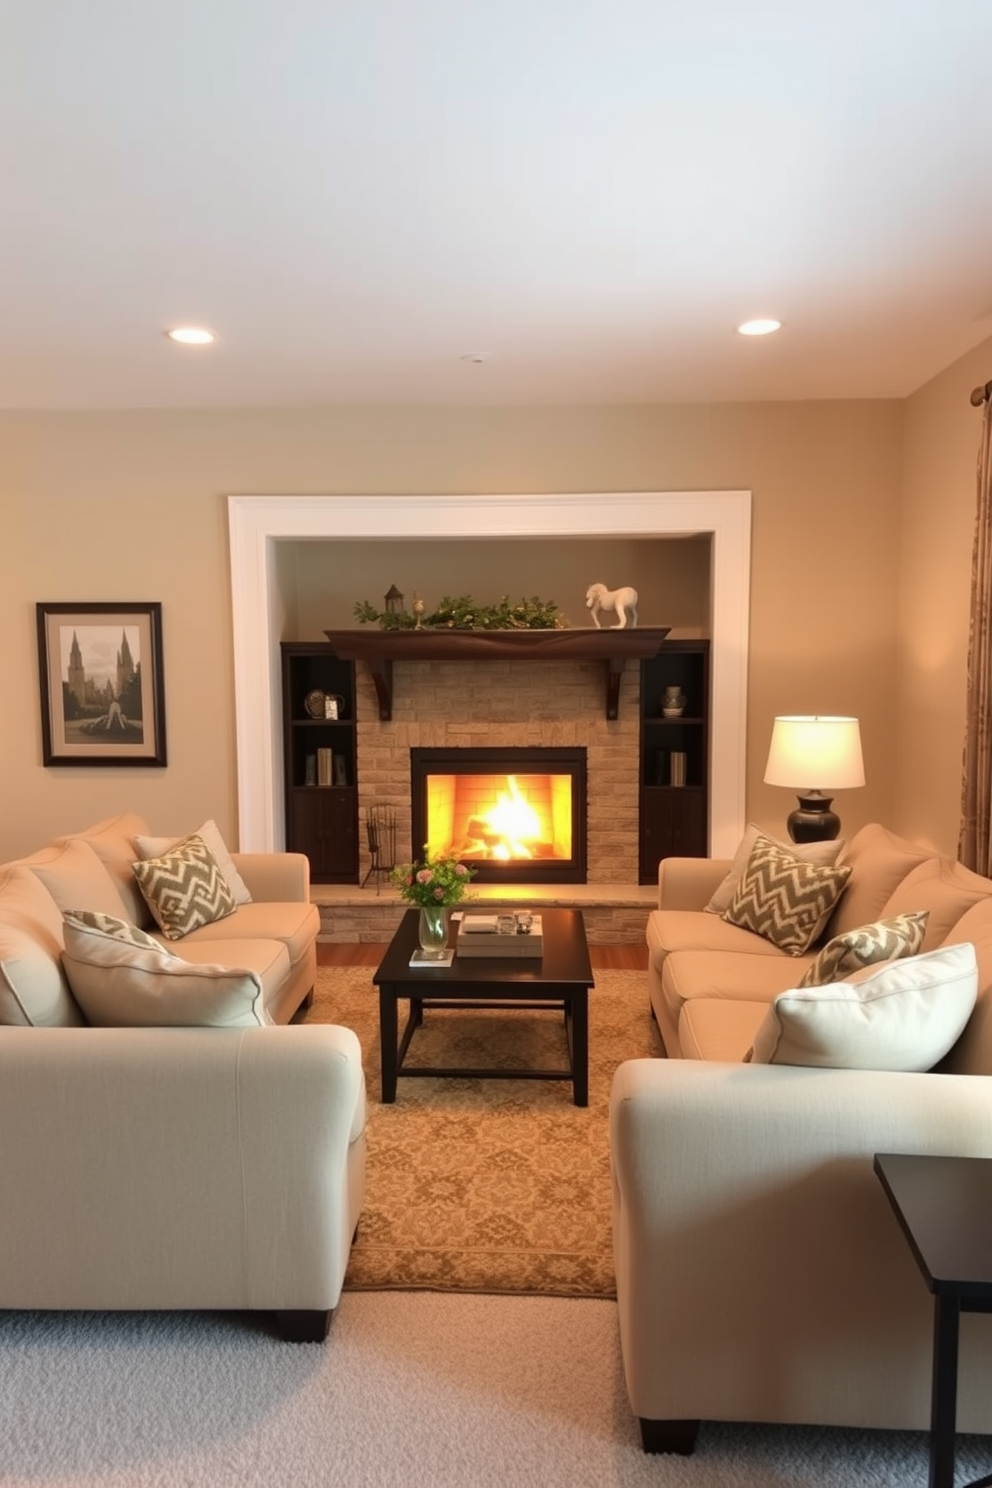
point(102, 688)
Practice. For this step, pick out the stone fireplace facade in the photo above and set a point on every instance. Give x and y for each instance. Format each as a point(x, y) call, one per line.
point(507, 704)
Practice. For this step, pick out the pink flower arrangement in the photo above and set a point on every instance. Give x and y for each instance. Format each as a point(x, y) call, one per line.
point(433, 880)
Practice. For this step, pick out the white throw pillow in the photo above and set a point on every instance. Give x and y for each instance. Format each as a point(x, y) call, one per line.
point(823, 854)
point(903, 1015)
point(157, 847)
point(121, 981)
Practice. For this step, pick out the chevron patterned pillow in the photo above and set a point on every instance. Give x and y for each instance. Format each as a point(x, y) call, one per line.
point(92, 919)
point(886, 940)
point(783, 898)
point(184, 888)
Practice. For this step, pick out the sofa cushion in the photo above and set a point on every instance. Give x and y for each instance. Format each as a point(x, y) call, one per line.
point(34, 992)
point(886, 940)
point(123, 983)
point(184, 888)
point(113, 842)
point(293, 923)
point(903, 1015)
point(268, 959)
point(825, 854)
point(944, 888)
point(725, 976)
point(783, 898)
point(76, 879)
point(972, 1054)
point(721, 1031)
point(156, 847)
point(671, 930)
point(879, 861)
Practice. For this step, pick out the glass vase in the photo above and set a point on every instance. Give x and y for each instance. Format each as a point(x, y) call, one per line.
point(433, 931)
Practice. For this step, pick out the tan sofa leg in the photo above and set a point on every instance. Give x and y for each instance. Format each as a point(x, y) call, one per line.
point(678, 1437)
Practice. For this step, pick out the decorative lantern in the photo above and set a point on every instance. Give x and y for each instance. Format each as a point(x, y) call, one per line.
point(394, 601)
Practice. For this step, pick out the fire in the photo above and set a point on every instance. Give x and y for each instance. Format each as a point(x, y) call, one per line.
point(514, 821)
point(500, 818)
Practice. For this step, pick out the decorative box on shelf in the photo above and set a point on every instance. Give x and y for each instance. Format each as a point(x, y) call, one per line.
point(516, 934)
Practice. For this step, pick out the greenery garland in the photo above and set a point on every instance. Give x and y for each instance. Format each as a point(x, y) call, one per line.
point(464, 614)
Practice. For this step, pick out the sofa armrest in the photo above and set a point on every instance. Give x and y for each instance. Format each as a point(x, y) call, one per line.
point(761, 1274)
point(275, 878)
point(179, 1167)
point(689, 883)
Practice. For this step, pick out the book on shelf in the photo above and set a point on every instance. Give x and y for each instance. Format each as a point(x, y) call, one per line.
point(325, 766)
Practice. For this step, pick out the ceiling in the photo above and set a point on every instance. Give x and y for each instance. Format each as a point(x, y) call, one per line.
point(591, 194)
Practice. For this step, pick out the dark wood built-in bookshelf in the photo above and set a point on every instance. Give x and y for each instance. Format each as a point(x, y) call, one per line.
point(321, 805)
point(674, 819)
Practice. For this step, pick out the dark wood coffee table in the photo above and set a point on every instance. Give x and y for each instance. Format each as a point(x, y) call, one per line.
point(560, 979)
point(943, 1205)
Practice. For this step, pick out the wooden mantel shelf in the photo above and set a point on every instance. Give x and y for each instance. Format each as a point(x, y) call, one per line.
point(380, 648)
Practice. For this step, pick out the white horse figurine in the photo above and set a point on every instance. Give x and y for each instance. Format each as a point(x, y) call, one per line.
point(623, 601)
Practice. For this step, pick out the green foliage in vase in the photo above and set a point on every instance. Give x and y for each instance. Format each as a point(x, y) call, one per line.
point(433, 880)
point(462, 613)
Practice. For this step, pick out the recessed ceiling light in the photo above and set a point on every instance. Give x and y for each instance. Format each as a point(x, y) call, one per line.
point(191, 335)
point(477, 356)
point(759, 327)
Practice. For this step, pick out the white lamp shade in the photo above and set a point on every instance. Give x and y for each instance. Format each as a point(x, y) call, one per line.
point(815, 753)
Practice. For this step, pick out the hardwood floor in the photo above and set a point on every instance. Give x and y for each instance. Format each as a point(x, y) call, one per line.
point(605, 957)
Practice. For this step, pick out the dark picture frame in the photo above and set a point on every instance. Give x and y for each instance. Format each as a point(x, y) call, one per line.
point(102, 684)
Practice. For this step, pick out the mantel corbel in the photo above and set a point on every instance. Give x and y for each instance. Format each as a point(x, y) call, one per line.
point(381, 648)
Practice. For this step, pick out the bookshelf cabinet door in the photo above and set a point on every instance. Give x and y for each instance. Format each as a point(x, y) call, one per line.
point(673, 825)
point(323, 826)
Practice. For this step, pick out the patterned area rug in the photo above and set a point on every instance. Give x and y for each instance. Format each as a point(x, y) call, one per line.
point(489, 1185)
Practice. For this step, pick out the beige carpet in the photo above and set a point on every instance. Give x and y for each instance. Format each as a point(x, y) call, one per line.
point(412, 1390)
point(490, 1185)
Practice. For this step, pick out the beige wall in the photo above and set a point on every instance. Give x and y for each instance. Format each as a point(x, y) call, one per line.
point(131, 506)
point(671, 577)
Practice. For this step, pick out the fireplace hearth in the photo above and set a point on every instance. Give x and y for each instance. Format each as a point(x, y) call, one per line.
point(517, 815)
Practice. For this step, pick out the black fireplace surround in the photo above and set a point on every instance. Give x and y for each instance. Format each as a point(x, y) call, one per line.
point(524, 761)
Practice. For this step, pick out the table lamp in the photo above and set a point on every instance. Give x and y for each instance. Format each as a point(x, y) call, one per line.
point(811, 755)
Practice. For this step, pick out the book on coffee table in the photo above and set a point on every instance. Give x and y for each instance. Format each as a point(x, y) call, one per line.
point(517, 934)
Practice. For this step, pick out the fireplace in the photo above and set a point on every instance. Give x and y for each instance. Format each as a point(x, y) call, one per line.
point(517, 815)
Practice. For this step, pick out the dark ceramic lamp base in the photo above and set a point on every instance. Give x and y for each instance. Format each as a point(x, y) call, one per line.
point(813, 821)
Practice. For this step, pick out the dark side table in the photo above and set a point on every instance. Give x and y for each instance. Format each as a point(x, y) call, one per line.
point(944, 1205)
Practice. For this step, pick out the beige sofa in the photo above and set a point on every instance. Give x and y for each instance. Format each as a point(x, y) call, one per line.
point(173, 1167)
point(761, 1275)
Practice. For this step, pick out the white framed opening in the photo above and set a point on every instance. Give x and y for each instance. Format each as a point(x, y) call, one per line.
point(258, 523)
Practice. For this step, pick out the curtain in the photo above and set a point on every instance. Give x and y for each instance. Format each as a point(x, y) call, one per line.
point(976, 787)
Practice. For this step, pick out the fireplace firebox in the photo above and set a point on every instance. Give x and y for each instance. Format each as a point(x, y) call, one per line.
point(516, 815)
